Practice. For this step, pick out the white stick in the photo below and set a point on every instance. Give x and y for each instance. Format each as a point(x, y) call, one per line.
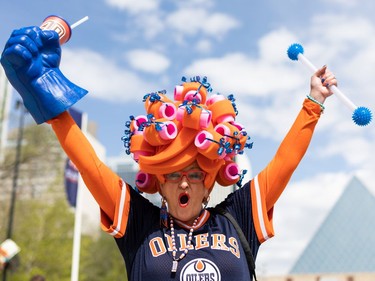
point(79, 22)
point(334, 89)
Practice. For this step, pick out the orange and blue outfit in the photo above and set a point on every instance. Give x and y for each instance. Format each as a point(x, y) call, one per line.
point(216, 253)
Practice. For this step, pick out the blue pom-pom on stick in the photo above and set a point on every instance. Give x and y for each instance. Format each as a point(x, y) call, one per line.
point(361, 115)
point(294, 50)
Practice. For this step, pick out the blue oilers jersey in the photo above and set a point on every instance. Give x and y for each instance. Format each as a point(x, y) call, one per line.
point(215, 253)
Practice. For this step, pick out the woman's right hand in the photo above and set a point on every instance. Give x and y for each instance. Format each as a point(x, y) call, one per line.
point(30, 52)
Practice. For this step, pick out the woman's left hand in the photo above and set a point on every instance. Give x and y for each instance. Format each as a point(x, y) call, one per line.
point(320, 82)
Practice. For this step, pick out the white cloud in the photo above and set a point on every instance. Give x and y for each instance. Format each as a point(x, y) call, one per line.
point(328, 28)
point(219, 24)
point(195, 3)
point(193, 21)
point(273, 46)
point(134, 6)
point(345, 3)
point(151, 24)
point(148, 61)
point(354, 148)
point(203, 46)
point(102, 77)
point(180, 20)
point(248, 76)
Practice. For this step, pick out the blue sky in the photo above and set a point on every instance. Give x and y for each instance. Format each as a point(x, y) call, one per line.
point(129, 48)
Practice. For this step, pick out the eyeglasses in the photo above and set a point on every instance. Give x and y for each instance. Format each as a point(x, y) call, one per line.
point(193, 176)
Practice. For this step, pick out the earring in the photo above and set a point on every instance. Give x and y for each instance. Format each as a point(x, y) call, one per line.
point(205, 202)
point(163, 213)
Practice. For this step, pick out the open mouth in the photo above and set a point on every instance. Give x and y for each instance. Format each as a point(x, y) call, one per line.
point(183, 199)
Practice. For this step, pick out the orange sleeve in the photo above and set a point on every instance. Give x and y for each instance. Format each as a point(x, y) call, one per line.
point(267, 186)
point(107, 187)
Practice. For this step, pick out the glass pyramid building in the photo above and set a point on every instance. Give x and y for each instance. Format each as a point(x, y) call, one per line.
point(345, 242)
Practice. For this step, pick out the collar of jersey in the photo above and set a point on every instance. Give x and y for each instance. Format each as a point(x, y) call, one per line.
point(202, 219)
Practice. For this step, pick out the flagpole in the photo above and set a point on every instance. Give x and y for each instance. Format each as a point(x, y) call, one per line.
point(78, 218)
point(5, 99)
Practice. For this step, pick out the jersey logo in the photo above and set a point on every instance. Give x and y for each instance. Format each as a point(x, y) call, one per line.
point(200, 269)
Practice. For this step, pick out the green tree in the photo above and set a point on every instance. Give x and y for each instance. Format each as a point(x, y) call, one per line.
point(101, 260)
point(43, 230)
point(44, 222)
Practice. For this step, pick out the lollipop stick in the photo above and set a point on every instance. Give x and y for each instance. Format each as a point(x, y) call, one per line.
point(82, 20)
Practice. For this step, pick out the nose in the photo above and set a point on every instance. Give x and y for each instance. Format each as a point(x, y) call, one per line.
point(184, 183)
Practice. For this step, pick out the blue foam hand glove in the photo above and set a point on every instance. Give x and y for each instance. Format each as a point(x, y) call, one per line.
point(31, 60)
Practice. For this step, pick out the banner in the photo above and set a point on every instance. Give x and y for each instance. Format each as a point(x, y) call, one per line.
point(71, 171)
point(71, 182)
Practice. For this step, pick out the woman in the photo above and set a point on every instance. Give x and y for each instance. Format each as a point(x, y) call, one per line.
point(183, 146)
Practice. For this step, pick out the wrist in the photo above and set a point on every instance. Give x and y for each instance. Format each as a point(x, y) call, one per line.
point(316, 95)
point(316, 101)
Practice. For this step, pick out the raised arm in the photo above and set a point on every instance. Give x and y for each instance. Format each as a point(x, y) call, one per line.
point(267, 186)
point(31, 60)
point(274, 178)
point(102, 182)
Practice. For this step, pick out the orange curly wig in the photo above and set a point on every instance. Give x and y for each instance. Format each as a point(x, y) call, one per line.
point(193, 127)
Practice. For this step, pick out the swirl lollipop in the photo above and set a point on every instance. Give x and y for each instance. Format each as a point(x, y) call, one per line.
point(361, 115)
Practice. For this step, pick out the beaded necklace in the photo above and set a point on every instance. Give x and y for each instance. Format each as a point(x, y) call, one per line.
point(174, 249)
